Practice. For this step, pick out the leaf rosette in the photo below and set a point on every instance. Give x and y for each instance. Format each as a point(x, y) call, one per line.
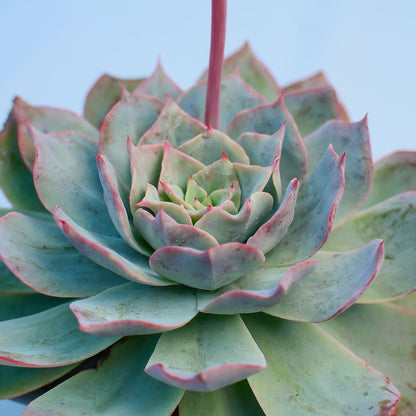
point(199, 258)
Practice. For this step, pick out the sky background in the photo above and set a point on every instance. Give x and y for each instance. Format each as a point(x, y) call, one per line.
point(51, 52)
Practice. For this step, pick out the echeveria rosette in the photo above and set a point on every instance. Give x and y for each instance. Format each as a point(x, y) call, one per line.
point(210, 266)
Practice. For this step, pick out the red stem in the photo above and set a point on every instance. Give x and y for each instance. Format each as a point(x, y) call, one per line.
point(216, 57)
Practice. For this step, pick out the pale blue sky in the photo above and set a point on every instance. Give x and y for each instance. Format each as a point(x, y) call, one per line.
point(52, 51)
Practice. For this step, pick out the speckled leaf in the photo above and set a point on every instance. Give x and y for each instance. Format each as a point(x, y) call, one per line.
point(353, 140)
point(9, 283)
point(236, 95)
point(385, 336)
point(315, 210)
point(252, 71)
point(47, 120)
point(131, 117)
point(41, 257)
point(268, 119)
point(133, 309)
point(393, 220)
point(118, 387)
point(210, 146)
point(312, 373)
point(15, 179)
point(209, 269)
point(158, 85)
point(255, 291)
point(337, 281)
point(207, 354)
point(105, 92)
point(109, 252)
point(313, 107)
point(162, 230)
point(47, 339)
point(65, 174)
point(393, 174)
point(317, 80)
point(234, 400)
point(173, 125)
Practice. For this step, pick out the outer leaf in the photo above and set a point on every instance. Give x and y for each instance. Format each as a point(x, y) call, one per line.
point(42, 258)
point(236, 95)
point(133, 309)
point(103, 95)
point(109, 252)
point(131, 117)
point(15, 179)
point(393, 220)
point(209, 353)
point(47, 120)
point(313, 107)
point(209, 269)
point(9, 283)
point(353, 140)
point(47, 339)
point(252, 71)
point(393, 174)
point(317, 80)
point(267, 119)
point(158, 85)
point(312, 373)
point(65, 174)
point(385, 336)
point(336, 283)
point(234, 400)
point(314, 213)
point(118, 387)
point(408, 301)
point(255, 291)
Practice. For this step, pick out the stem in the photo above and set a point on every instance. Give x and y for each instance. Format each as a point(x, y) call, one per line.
point(216, 57)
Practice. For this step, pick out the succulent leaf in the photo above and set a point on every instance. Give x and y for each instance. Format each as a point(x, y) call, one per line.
point(207, 354)
point(9, 283)
point(317, 80)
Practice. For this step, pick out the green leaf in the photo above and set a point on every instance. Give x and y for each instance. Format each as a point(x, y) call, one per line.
point(9, 283)
point(408, 301)
point(47, 339)
point(118, 387)
point(385, 336)
point(309, 373)
point(393, 220)
point(317, 80)
point(209, 353)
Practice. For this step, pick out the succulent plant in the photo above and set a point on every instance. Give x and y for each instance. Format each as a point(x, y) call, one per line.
point(154, 262)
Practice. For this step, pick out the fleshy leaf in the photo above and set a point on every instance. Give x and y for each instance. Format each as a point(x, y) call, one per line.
point(314, 212)
point(384, 335)
point(313, 107)
point(47, 120)
point(174, 125)
point(252, 71)
point(133, 309)
point(353, 140)
point(263, 149)
point(393, 220)
point(236, 95)
point(65, 174)
point(271, 232)
point(210, 145)
point(163, 230)
point(41, 257)
point(268, 119)
point(15, 179)
point(131, 117)
point(337, 281)
point(47, 339)
point(158, 85)
point(255, 291)
point(317, 80)
point(209, 269)
point(234, 400)
point(408, 301)
point(9, 283)
point(119, 386)
point(103, 95)
point(109, 252)
point(393, 174)
point(209, 353)
point(313, 374)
